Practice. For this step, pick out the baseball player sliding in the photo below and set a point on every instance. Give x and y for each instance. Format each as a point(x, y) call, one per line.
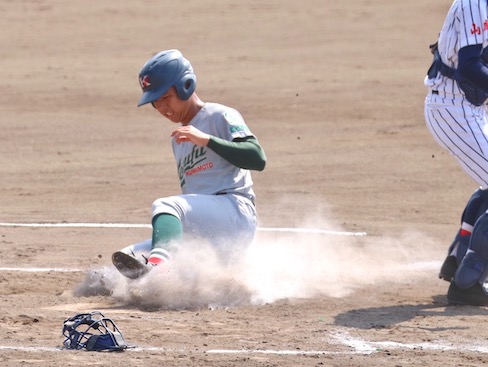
point(214, 151)
point(456, 116)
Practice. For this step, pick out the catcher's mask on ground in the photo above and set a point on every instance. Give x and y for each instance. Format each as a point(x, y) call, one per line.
point(93, 332)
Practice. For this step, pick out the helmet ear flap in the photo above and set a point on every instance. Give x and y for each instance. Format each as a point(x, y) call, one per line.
point(186, 85)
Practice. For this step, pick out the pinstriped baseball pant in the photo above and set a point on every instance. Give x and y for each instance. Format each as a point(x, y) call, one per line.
point(462, 129)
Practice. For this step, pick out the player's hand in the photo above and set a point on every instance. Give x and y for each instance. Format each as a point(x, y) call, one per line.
point(190, 133)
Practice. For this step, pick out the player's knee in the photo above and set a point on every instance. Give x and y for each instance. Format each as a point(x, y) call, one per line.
point(479, 237)
point(476, 206)
point(168, 205)
point(474, 266)
point(472, 270)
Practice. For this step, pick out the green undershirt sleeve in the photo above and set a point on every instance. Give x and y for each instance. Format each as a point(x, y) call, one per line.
point(244, 153)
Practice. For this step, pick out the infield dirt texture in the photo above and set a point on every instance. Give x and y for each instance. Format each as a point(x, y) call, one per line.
point(333, 90)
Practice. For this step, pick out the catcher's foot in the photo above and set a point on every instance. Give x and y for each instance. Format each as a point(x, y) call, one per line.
point(129, 266)
point(473, 296)
point(448, 268)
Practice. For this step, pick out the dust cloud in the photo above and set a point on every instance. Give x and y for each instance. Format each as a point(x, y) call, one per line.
point(275, 266)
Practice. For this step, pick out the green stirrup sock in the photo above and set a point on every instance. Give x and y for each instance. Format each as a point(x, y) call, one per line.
point(166, 229)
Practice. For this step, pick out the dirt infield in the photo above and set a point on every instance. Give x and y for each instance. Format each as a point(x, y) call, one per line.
point(333, 90)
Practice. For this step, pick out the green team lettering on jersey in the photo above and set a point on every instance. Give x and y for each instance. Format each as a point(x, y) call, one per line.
point(197, 155)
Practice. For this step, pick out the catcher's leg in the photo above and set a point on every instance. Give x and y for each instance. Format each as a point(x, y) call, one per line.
point(467, 286)
point(476, 206)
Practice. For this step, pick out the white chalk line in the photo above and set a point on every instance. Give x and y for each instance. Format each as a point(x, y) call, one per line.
point(131, 225)
point(356, 345)
point(30, 349)
point(279, 352)
point(368, 347)
point(361, 346)
point(423, 265)
point(159, 349)
point(60, 349)
point(42, 270)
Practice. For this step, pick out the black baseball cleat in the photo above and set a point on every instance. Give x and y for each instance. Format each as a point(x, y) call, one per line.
point(448, 268)
point(129, 266)
point(473, 296)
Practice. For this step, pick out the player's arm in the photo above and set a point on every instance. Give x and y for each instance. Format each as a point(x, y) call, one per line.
point(241, 152)
point(472, 67)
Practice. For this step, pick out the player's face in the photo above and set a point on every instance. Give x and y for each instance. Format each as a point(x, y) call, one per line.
point(171, 106)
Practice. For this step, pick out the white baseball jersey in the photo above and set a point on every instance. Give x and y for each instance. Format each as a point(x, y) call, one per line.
point(200, 169)
point(466, 24)
point(227, 221)
point(457, 125)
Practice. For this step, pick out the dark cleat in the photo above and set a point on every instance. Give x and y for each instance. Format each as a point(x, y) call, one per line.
point(474, 296)
point(129, 266)
point(448, 268)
